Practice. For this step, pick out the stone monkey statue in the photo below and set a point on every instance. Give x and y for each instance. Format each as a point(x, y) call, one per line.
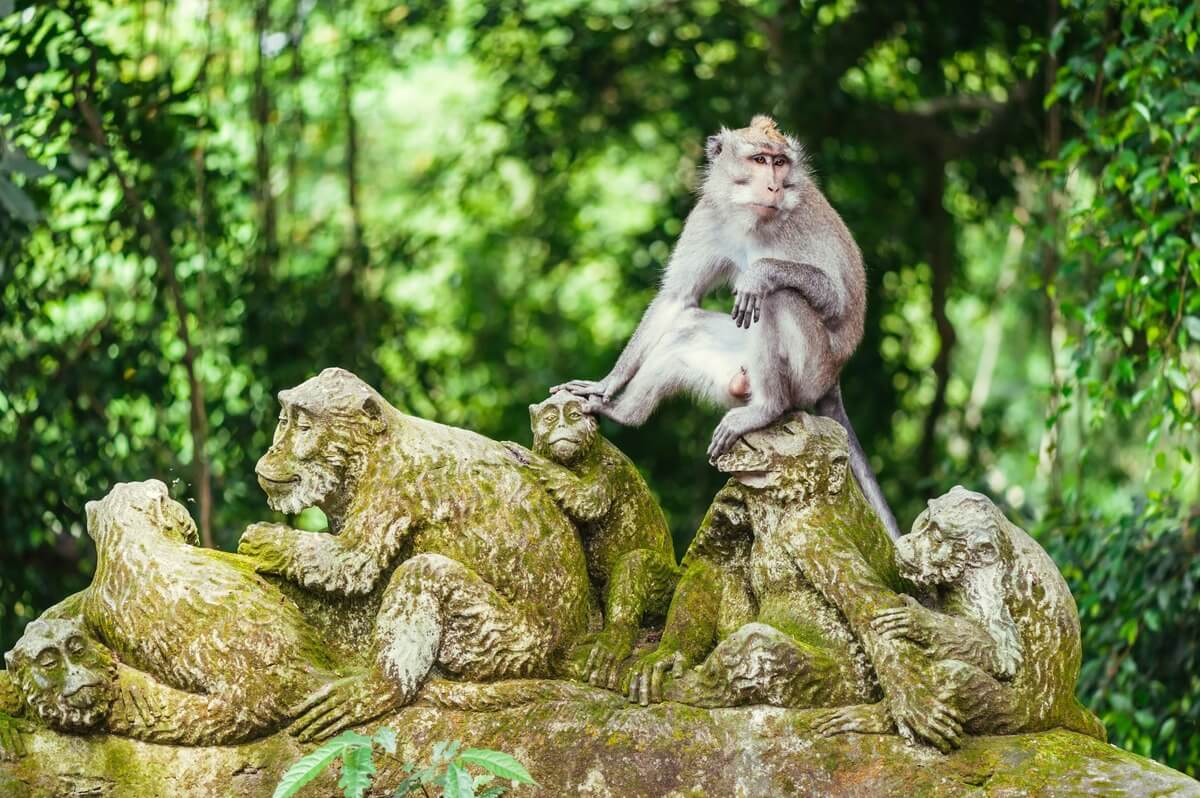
point(762, 225)
point(1003, 642)
point(482, 575)
point(630, 557)
point(780, 588)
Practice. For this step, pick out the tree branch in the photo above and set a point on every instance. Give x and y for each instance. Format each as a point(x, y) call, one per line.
point(161, 253)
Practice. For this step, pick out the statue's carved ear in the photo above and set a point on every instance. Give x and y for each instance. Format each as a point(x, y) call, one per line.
point(374, 413)
point(533, 412)
point(837, 473)
point(10, 660)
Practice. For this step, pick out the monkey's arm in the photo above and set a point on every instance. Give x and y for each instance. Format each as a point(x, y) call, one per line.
point(768, 275)
point(829, 559)
point(945, 636)
point(348, 563)
point(583, 500)
point(147, 710)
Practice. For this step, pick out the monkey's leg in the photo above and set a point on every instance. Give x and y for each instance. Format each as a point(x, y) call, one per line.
point(777, 349)
point(435, 611)
point(983, 704)
point(758, 664)
point(642, 582)
point(697, 357)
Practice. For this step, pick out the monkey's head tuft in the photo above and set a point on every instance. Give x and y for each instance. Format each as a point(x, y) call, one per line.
point(563, 431)
point(755, 174)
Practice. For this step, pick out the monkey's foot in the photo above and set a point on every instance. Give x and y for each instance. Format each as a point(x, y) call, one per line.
point(604, 660)
point(858, 719)
point(736, 423)
point(644, 681)
point(344, 703)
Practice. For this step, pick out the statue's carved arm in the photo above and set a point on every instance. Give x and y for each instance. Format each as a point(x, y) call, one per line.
point(953, 637)
point(348, 563)
point(581, 499)
point(835, 567)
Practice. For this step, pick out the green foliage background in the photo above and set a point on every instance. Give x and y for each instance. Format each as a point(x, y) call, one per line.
point(203, 202)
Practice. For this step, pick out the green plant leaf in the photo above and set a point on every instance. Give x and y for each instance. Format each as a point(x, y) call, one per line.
point(358, 768)
point(409, 784)
point(311, 765)
point(497, 762)
point(458, 783)
point(385, 738)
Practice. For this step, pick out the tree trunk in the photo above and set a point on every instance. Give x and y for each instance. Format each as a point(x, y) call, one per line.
point(268, 248)
point(940, 243)
point(1049, 461)
point(161, 252)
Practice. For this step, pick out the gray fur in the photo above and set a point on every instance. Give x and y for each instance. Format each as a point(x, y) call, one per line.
point(766, 229)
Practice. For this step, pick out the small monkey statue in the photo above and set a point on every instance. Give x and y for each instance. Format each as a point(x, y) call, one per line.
point(762, 225)
point(631, 561)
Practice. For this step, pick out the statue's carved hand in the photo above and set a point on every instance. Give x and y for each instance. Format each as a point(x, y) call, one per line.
point(13, 732)
point(604, 660)
point(264, 543)
point(346, 702)
point(646, 678)
point(922, 711)
point(859, 719)
point(910, 622)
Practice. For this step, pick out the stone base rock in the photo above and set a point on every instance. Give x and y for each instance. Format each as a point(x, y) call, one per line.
point(603, 747)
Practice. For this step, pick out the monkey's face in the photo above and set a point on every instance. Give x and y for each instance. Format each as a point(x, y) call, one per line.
point(140, 507)
point(798, 457)
point(755, 170)
point(956, 532)
point(65, 677)
point(326, 425)
point(562, 430)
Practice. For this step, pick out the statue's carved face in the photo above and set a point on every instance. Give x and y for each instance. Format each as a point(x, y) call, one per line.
point(145, 506)
point(326, 426)
point(800, 456)
point(67, 679)
point(562, 431)
point(955, 532)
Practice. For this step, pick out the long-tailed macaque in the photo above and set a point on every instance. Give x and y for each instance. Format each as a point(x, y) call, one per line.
point(762, 225)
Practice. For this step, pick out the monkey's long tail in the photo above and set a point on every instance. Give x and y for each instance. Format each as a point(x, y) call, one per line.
point(830, 405)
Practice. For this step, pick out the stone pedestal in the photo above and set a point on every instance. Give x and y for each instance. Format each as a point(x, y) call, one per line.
point(604, 747)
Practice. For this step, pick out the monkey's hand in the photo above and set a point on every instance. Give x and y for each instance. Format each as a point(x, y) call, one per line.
point(265, 544)
point(911, 622)
point(606, 388)
point(645, 680)
point(922, 712)
point(750, 289)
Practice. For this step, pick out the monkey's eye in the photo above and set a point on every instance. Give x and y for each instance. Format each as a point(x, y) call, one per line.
point(283, 420)
point(75, 645)
point(780, 161)
point(48, 658)
point(760, 159)
point(574, 415)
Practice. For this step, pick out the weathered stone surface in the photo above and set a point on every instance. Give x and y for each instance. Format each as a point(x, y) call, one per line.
point(602, 746)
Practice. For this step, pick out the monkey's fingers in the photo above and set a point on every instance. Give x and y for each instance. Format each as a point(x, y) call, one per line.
point(757, 309)
point(661, 668)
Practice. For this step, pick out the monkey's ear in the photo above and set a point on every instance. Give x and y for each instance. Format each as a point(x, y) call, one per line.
point(10, 660)
point(837, 473)
point(532, 412)
point(374, 413)
point(712, 147)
